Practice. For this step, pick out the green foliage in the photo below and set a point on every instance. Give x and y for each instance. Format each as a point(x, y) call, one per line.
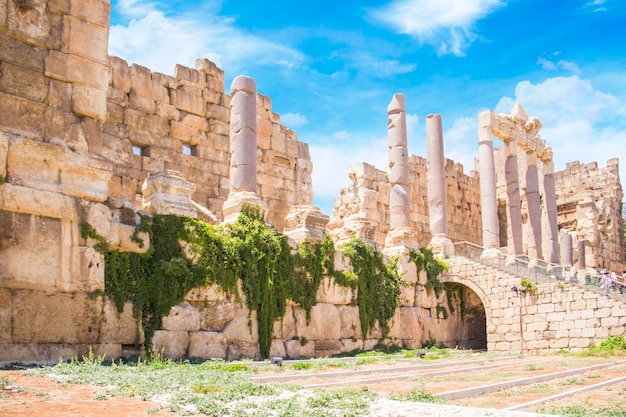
point(266, 269)
point(431, 342)
point(454, 291)
point(530, 286)
point(378, 285)
point(424, 259)
point(185, 253)
point(613, 343)
point(419, 395)
point(88, 232)
point(582, 410)
point(301, 366)
point(441, 310)
point(311, 263)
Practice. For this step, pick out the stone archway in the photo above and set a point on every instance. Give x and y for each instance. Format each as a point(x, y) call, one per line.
point(468, 317)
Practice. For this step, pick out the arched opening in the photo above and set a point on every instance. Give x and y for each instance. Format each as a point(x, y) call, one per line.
point(465, 326)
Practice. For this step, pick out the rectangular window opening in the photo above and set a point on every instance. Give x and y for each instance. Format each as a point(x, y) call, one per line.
point(141, 150)
point(191, 150)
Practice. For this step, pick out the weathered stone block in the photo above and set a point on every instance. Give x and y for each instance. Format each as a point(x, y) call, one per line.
point(278, 348)
point(242, 328)
point(285, 328)
point(90, 102)
point(332, 293)
point(216, 315)
point(207, 345)
point(242, 350)
point(143, 85)
point(4, 149)
point(324, 323)
point(120, 74)
point(172, 344)
point(85, 39)
point(119, 327)
point(12, 51)
point(296, 349)
point(23, 82)
point(189, 100)
point(75, 69)
point(22, 115)
point(94, 11)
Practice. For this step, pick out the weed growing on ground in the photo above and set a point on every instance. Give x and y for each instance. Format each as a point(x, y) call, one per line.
point(420, 395)
point(583, 411)
point(213, 388)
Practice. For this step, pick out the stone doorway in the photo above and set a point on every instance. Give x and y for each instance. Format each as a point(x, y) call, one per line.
point(467, 319)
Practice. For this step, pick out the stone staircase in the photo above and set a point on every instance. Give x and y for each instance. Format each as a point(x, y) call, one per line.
point(538, 271)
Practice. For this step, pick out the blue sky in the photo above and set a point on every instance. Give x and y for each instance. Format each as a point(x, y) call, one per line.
point(331, 68)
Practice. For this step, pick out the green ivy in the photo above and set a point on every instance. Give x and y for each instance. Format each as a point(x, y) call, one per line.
point(529, 285)
point(185, 253)
point(455, 291)
point(312, 263)
point(424, 259)
point(378, 285)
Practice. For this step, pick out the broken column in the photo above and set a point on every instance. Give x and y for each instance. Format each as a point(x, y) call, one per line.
point(514, 212)
point(488, 199)
point(305, 222)
point(533, 206)
point(400, 237)
point(567, 254)
point(580, 251)
point(551, 221)
point(243, 150)
point(436, 177)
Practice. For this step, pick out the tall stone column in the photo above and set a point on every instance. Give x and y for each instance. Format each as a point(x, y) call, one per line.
point(488, 198)
point(400, 237)
point(567, 254)
point(436, 183)
point(514, 212)
point(534, 207)
point(580, 251)
point(243, 150)
point(551, 221)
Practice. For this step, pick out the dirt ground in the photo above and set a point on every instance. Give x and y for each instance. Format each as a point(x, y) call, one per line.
point(43, 397)
point(29, 396)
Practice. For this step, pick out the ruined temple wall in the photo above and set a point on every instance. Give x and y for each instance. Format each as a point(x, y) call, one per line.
point(367, 200)
point(589, 201)
point(70, 116)
point(181, 123)
point(589, 204)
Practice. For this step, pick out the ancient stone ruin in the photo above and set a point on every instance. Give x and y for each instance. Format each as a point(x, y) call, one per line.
point(87, 140)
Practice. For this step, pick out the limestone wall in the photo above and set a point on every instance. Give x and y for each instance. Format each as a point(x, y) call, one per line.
point(363, 207)
point(209, 324)
point(79, 133)
point(157, 122)
point(590, 204)
point(560, 315)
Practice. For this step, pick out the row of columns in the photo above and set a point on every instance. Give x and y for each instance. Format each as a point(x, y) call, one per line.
point(401, 238)
point(488, 126)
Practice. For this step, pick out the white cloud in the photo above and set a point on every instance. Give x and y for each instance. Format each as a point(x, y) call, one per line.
point(461, 141)
point(331, 162)
point(160, 41)
point(595, 6)
point(134, 8)
point(293, 120)
point(580, 123)
point(562, 64)
point(446, 24)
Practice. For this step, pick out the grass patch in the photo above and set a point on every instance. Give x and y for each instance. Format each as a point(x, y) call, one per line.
point(420, 395)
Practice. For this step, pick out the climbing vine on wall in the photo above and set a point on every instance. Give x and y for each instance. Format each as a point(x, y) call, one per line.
point(424, 259)
point(378, 285)
point(185, 253)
